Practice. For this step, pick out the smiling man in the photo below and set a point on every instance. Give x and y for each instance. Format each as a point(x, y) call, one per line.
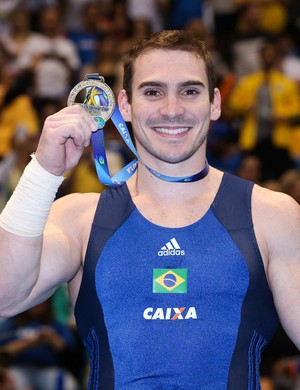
point(175, 284)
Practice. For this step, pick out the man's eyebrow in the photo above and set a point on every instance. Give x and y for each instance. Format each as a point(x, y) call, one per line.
point(151, 84)
point(192, 83)
point(187, 83)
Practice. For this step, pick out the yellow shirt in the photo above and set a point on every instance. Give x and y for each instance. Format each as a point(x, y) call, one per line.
point(19, 115)
point(274, 17)
point(84, 179)
point(285, 104)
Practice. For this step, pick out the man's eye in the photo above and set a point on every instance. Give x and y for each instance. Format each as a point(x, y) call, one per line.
point(152, 92)
point(191, 91)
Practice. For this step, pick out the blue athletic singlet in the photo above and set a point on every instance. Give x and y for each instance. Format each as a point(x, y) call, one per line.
point(175, 308)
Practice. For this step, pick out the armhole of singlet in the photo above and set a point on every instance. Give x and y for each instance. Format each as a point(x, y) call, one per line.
point(232, 204)
point(113, 208)
point(118, 198)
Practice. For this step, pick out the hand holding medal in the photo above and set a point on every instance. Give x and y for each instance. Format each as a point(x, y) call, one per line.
point(101, 105)
point(99, 101)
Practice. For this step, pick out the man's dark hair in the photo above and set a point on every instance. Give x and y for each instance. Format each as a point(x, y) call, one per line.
point(168, 40)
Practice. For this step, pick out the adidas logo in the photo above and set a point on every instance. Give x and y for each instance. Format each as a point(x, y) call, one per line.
point(171, 248)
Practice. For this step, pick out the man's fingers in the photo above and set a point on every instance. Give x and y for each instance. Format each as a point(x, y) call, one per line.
point(77, 108)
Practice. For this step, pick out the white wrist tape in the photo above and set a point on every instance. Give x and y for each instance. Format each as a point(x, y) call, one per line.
point(26, 212)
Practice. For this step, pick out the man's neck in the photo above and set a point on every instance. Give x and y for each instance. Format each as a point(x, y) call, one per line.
point(173, 204)
point(144, 182)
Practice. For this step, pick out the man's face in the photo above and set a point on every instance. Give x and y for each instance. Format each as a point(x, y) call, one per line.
point(170, 109)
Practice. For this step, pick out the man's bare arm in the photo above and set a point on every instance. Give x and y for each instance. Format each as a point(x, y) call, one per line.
point(33, 261)
point(34, 267)
point(278, 217)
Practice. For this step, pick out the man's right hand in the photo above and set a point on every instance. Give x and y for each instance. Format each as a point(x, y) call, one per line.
point(63, 139)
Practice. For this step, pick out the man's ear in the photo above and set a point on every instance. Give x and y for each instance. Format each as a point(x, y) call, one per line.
point(124, 106)
point(215, 107)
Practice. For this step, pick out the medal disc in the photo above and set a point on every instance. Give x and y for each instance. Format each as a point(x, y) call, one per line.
point(99, 101)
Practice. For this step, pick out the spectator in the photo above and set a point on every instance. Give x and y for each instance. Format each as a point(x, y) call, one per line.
point(39, 350)
point(250, 168)
point(140, 29)
point(107, 61)
point(52, 57)
point(242, 48)
point(225, 15)
point(83, 178)
point(274, 16)
point(5, 76)
point(182, 11)
point(279, 362)
point(266, 101)
point(290, 183)
point(85, 36)
point(6, 383)
point(18, 35)
point(73, 12)
point(121, 25)
point(34, 8)
point(289, 58)
point(290, 66)
point(6, 7)
point(272, 184)
point(220, 66)
point(148, 10)
point(294, 19)
point(17, 112)
point(12, 166)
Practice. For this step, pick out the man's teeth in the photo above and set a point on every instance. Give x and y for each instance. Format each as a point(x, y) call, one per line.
point(171, 131)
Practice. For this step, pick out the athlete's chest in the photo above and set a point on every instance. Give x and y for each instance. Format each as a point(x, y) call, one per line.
point(174, 214)
point(148, 261)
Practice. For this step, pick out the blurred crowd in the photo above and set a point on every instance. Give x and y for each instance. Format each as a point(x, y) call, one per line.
point(47, 46)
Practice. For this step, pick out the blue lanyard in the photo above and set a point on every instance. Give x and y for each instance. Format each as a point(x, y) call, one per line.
point(100, 156)
point(101, 98)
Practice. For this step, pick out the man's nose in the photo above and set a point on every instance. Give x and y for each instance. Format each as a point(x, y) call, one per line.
point(171, 107)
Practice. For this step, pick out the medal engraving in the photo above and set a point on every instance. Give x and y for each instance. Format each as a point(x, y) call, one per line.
point(99, 101)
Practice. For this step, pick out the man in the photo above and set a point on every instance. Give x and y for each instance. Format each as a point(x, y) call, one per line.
point(266, 102)
point(172, 283)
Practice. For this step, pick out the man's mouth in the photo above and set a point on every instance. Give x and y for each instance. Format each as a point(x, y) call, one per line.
point(165, 130)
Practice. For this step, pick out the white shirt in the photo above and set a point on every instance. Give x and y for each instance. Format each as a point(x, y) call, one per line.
point(52, 75)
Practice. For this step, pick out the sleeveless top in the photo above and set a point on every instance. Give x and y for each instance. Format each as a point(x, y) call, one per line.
point(175, 308)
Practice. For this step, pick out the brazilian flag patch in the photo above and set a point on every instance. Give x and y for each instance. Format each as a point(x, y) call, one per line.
point(172, 281)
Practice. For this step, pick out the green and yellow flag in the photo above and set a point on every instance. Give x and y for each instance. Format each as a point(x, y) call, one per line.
point(172, 281)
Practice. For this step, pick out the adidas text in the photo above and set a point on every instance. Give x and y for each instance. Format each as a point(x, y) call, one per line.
point(171, 252)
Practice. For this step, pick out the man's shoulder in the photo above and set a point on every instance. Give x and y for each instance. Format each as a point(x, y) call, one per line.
point(276, 219)
point(79, 198)
point(76, 205)
point(270, 196)
point(73, 216)
point(274, 207)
